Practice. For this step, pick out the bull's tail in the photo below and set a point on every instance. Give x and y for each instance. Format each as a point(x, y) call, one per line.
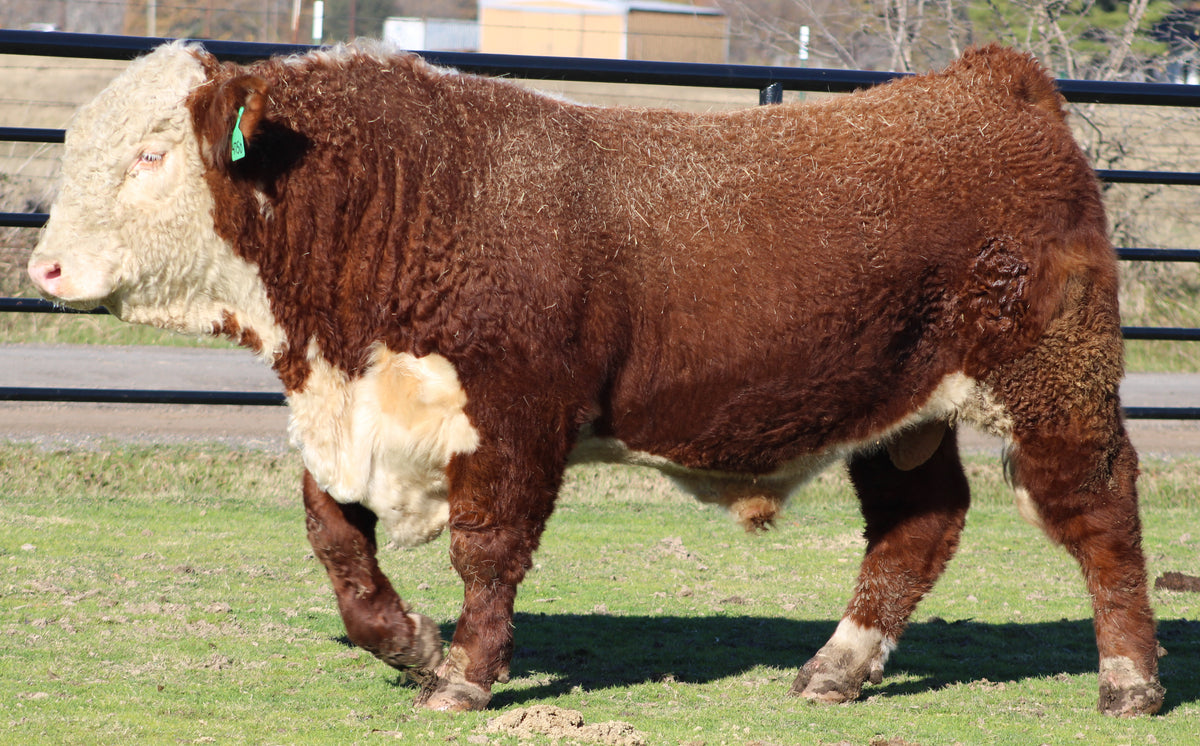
point(1018, 73)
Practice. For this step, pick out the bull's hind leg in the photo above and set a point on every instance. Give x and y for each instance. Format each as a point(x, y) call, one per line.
point(376, 618)
point(1076, 471)
point(913, 521)
point(1082, 492)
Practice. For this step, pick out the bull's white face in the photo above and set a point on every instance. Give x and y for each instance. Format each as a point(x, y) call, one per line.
point(132, 228)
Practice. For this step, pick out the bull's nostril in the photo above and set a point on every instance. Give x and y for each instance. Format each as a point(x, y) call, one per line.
point(46, 275)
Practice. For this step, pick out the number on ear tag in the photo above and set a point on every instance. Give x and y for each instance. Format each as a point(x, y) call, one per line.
point(238, 142)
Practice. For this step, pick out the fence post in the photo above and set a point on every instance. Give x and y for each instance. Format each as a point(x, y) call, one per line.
point(772, 94)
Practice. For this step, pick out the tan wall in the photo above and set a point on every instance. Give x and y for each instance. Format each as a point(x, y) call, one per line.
point(677, 37)
point(554, 34)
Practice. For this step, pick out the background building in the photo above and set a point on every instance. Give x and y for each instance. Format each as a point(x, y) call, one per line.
point(614, 29)
point(441, 34)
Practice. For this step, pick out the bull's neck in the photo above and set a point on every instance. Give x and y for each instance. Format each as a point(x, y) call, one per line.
point(354, 247)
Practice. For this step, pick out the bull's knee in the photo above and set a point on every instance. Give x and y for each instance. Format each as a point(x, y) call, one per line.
point(491, 563)
point(375, 617)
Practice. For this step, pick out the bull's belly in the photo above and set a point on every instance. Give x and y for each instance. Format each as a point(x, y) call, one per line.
point(755, 497)
point(386, 439)
point(957, 397)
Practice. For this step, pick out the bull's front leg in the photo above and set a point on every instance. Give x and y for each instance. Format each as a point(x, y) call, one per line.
point(499, 505)
point(376, 618)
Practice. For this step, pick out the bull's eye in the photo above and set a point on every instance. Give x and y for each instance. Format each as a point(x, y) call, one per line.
point(147, 161)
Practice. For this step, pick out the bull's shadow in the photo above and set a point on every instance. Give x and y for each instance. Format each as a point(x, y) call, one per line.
point(596, 651)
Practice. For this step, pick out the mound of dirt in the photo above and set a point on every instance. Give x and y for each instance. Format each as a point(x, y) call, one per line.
point(558, 723)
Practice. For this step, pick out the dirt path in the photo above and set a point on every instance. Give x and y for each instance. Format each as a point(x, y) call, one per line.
point(192, 369)
point(73, 366)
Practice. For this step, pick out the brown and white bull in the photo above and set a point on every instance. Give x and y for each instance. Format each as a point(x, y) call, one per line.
point(466, 286)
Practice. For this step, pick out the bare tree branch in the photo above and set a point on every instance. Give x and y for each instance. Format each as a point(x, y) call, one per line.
point(1112, 67)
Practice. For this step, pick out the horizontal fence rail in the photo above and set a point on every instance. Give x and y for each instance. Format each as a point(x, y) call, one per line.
point(704, 75)
point(37, 305)
point(769, 81)
point(141, 396)
point(31, 134)
point(1166, 178)
point(1162, 413)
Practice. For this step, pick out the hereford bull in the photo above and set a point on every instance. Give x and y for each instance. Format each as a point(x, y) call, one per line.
point(466, 286)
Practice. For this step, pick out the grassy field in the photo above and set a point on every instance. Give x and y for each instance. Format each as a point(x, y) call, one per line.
point(167, 595)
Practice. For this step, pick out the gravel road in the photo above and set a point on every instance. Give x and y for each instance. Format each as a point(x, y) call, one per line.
point(103, 367)
point(80, 366)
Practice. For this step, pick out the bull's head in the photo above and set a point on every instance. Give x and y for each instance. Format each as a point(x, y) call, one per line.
point(132, 228)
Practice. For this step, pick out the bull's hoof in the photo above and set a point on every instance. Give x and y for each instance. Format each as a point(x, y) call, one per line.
point(1145, 699)
point(427, 643)
point(448, 690)
point(1129, 698)
point(822, 681)
point(1124, 692)
point(453, 696)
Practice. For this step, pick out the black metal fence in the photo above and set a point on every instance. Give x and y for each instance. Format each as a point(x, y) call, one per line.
point(769, 81)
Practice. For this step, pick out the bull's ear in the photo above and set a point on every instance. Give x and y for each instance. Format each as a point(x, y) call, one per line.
point(231, 117)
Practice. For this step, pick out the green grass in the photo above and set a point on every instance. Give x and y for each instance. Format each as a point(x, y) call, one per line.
point(167, 595)
point(44, 328)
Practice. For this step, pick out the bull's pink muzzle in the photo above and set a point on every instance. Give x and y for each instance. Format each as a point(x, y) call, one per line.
point(47, 277)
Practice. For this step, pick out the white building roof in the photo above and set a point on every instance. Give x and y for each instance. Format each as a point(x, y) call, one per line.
point(600, 7)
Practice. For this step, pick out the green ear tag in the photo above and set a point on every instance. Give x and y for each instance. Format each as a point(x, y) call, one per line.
point(238, 142)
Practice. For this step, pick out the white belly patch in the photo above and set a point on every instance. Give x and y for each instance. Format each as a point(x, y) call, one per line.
point(386, 438)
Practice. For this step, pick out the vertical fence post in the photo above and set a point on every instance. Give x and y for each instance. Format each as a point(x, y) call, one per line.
point(772, 94)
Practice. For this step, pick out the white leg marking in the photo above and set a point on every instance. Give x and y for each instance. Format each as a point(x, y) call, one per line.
point(853, 655)
point(864, 644)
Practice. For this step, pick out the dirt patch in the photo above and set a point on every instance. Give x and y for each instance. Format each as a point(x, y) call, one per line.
point(672, 546)
point(1177, 581)
point(879, 741)
point(558, 723)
